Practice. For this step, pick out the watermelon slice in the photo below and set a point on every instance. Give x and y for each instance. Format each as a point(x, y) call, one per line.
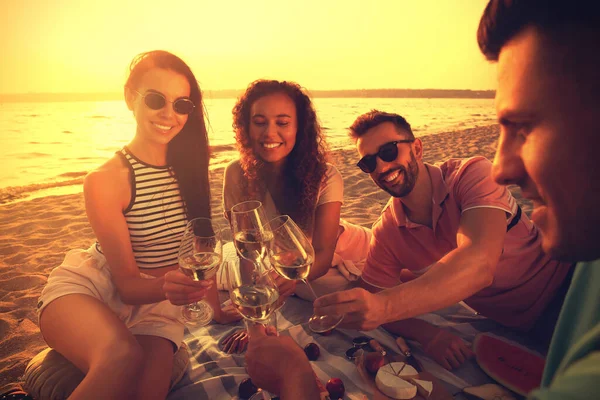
point(509, 364)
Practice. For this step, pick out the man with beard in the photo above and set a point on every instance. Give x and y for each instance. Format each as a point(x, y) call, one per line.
point(460, 235)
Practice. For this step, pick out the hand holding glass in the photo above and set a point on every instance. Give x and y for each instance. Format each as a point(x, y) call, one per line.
point(249, 235)
point(200, 255)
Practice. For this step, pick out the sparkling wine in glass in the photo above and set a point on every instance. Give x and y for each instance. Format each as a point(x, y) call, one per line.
point(252, 291)
point(200, 255)
point(250, 237)
point(291, 254)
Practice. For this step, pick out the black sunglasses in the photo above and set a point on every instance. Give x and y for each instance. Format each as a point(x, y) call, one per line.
point(156, 101)
point(387, 152)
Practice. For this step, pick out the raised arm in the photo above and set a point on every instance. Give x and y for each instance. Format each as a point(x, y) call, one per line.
point(107, 194)
point(462, 272)
point(458, 275)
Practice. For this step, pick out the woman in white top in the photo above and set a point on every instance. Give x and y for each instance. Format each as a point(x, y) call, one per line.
point(283, 163)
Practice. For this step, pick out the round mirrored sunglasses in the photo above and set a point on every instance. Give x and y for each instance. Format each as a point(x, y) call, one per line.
point(387, 152)
point(156, 101)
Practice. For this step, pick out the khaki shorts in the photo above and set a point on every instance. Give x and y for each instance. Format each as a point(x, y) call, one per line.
point(86, 272)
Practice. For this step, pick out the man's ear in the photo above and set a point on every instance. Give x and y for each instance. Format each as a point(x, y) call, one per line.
point(129, 98)
point(418, 149)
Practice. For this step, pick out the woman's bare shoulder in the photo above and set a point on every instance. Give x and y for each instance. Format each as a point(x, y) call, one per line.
point(113, 170)
point(109, 181)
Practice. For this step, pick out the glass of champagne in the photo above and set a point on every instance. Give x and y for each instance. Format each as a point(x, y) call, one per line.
point(291, 255)
point(250, 236)
point(200, 255)
point(252, 291)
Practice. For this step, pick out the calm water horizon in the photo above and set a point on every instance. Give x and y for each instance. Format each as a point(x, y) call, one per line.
point(49, 147)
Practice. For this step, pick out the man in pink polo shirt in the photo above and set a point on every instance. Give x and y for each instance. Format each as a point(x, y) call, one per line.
point(459, 233)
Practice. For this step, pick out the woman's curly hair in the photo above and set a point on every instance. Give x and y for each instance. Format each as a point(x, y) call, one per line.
point(305, 166)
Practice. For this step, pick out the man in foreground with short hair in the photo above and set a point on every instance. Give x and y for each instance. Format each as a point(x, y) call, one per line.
point(548, 97)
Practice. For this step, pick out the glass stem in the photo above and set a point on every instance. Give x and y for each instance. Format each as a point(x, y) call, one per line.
point(310, 287)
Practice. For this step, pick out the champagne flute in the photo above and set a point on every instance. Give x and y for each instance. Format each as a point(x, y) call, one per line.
point(252, 291)
point(252, 236)
point(200, 255)
point(291, 255)
point(249, 234)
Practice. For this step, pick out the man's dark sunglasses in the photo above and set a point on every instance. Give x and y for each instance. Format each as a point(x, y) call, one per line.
point(156, 101)
point(387, 152)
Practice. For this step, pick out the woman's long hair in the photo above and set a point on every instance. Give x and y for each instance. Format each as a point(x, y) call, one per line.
point(188, 152)
point(305, 166)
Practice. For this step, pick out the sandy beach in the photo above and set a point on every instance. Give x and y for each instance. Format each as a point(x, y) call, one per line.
point(36, 235)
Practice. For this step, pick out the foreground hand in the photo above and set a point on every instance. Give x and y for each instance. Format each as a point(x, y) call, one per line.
point(449, 350)
point(277, 363)
point(227, 315)
point(362, 309)
point(180, 289)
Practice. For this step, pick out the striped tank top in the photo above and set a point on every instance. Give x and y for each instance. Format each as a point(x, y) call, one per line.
point(156, 215)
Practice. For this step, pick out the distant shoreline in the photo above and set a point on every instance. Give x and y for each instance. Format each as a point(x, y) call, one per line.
point(479, 140)
point(229, 94)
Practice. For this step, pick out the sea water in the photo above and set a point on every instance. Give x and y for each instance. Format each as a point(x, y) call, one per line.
point(46, 148)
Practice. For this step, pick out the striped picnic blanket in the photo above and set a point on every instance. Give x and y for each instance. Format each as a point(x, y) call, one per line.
point(213, 374)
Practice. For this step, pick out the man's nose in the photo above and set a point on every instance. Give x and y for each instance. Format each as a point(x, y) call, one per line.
point(508, 165)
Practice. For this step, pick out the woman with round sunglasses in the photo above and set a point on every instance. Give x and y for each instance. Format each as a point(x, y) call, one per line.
point(283, 164)
point(113, 310)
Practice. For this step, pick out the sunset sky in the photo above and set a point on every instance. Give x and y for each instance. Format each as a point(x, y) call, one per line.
point(80, 46)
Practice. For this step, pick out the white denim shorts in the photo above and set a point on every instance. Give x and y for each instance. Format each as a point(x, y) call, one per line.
point(86, 272)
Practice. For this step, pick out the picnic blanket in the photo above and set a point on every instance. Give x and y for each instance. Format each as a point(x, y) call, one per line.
point(213, 374)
